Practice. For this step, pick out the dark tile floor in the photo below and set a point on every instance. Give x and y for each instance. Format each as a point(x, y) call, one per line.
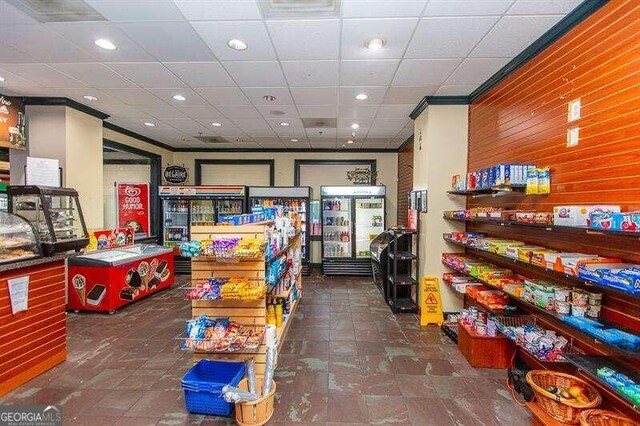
point(346, 360)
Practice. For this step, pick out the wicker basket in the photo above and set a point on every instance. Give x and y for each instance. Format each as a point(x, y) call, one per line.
point(604, 418)
point(554, 405)
point(256, 412)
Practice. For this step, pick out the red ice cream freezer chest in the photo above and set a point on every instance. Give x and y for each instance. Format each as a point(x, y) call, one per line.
point(110, 279)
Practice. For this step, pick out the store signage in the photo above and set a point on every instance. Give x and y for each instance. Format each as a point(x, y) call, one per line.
point(430, 302)
point(12, 123)
point(352, 190)
point(361, 176)
point(133, 206)
point(175, 174)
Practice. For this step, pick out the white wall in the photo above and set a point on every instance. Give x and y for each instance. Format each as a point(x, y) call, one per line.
point(236, 174)
point(167, 156)
point(440, 151)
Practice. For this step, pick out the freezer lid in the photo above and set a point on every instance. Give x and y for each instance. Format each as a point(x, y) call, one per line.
point(119, 256)
point(216, 191)
point(332, 191)
point(280, 192)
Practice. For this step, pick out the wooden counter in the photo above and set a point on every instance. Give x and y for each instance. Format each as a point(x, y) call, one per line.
point(35, 340)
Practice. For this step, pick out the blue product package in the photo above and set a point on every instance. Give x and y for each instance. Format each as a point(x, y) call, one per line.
point(492, 176)
point(603, 220)
point(626, 279)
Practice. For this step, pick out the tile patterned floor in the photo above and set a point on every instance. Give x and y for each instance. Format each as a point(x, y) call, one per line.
point(346, 360)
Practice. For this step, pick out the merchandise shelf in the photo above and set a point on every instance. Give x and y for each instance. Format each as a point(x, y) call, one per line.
point(496, 190)
point(270, 287)
point(402, 280)
point(239, 351)
point(292, 242)
point(402, 255)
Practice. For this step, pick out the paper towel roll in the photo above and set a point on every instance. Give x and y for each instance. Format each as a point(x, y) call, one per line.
point(270, 336)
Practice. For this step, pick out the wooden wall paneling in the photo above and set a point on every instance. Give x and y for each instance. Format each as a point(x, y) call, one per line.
point(405, 180)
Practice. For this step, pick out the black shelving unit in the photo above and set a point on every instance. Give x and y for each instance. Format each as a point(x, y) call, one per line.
point(401, 260)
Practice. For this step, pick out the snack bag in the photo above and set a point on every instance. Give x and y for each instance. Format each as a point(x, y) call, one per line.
point(532, 182)
point(544, 180)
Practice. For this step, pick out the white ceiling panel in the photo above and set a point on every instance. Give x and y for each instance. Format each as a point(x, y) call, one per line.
point(381, 8)
point(192, 98)
point(396, 33)
point(200, 74)
point(212, 10)
point(227, 96)
point(278, 111)
point(315, 95)
point(318, 133)
point(543, 7)
point(272, 140)
point(424, 72)
point(311, 73)
point(247, 124)
point(259, 133)
point(476, 71)
point(347, 95)
point(367, 73)
point(320, 143)
point(169, 41)
point(186, 125)
point(234, 112)
point(162, 111)
point(42, 44)
point(467, 7)
point(512, 34)
point(345, 123)
point(256, 95)
point(408, 95)
point(125, 111)
point(453, 90)
point(254, 33)
point(134, 96)
point(9, 54)
point(94, 75)
point(208, 122)
point(42, 74)
point(318, 111)
point(448, 37)
point(306, 39)
point(137, 10)
point(395, 111)
point(202, 112)
point(390, 123)
point(147, 74)
point(11, 15)
point(256, 74)
point(359, 112)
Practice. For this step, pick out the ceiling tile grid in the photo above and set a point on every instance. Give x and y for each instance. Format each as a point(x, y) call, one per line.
point(294, 67)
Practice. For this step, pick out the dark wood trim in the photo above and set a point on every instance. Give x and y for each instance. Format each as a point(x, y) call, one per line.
point(438, 100)
point(406, 143)
point(114, 146)
point(138, 136)
point(113, 161)
point(53, 101)
point(270, 163)
point(381, 150)
point(373, 164)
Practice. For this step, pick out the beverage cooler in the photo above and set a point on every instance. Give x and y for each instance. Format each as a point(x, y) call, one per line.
point(184, 206)
point(292, 199)
point(352, 216)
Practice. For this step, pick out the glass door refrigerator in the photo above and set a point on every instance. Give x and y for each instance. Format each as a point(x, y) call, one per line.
point(187, 206)
point(352, 216)
point(291, 198)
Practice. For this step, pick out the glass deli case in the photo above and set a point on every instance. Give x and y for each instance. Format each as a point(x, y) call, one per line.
point(18, 239)
point(55, 214)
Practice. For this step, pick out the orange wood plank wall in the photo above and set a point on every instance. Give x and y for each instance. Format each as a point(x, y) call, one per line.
point(524, 118)
point(405, 181)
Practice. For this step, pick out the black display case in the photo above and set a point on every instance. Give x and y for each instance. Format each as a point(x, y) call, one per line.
point(55, 213)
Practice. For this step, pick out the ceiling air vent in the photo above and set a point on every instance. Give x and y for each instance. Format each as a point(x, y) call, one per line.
point(273, 9)
point(58, 10)
point(211, 139)
point(312, 123)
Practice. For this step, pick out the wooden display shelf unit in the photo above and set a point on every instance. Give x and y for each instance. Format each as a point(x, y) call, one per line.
point(485, 351)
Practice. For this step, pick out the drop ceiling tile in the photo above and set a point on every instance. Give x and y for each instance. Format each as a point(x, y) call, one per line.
point(232, 112)
point(512, 34)
point(192, 98)
point(42, 44)
point(318, 111)
point(396, 32)
point(359, 112)
point(227, 96)
point(186, 125)
point(169, 41)
point(543, 7)
point(12, 15)
point(94, 75)
point(247, 124)
point(321, 133)
point(320, 143)
point(390, 123)
point(424, 72)
point(259, 133)
point(256, 74)
point(264, 141)
point(105, 97)
point(448, 37)
point(315, 95)
point(278, 111)
point(202, 112)
point(346, 133)
point(147, 74)
point(125, 111)
point(456, 90)
point(208, 122)
point(216, 34)
point(201, 74)
point(381, 8)
point(9, 54)
point(85, 33)
point(382, 133)
point(476, 71)
point(345, 123)
point(311, 73)
point(256, 95)
point(395, 111)
point(408, 95)
point(211, 10)
point(162, 111)
point(305, 38)
point(233, 134)
point(347, 95)
point(134, 96)
point(367, 73)
point(42, 74)
point(467, 7)
point(137, 10)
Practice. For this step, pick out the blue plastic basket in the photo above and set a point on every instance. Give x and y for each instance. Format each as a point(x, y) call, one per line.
point(203, 385)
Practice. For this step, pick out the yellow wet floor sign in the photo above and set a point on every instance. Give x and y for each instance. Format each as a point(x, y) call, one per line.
point(430, 302)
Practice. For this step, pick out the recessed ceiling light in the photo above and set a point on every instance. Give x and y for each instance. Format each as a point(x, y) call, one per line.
point(90, 98)
point(355, 126)
point(294, 140)
point(375, 43)
point(2, 78)
point(179, 98)
point(216, 124)
point(284, 124)
point(149, 124)
point(361, 96)
point(269, 98)
point(236, 44)
point(105, 44)
point(350, 141)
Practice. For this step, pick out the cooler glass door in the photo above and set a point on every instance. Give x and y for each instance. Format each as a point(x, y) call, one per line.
point(229, 207)
point(336, 227)
point(369, 223)
point(175, 222)
point(202, 213)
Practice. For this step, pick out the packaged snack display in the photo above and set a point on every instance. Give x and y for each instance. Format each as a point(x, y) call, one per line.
point(579, 215)
point(621, 383)
point(544, 344)
point(220, 335)
point(628, 222)
point(234, 288)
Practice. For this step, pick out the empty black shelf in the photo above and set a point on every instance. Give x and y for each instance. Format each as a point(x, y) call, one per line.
point(402, 280)
point(402, 255)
